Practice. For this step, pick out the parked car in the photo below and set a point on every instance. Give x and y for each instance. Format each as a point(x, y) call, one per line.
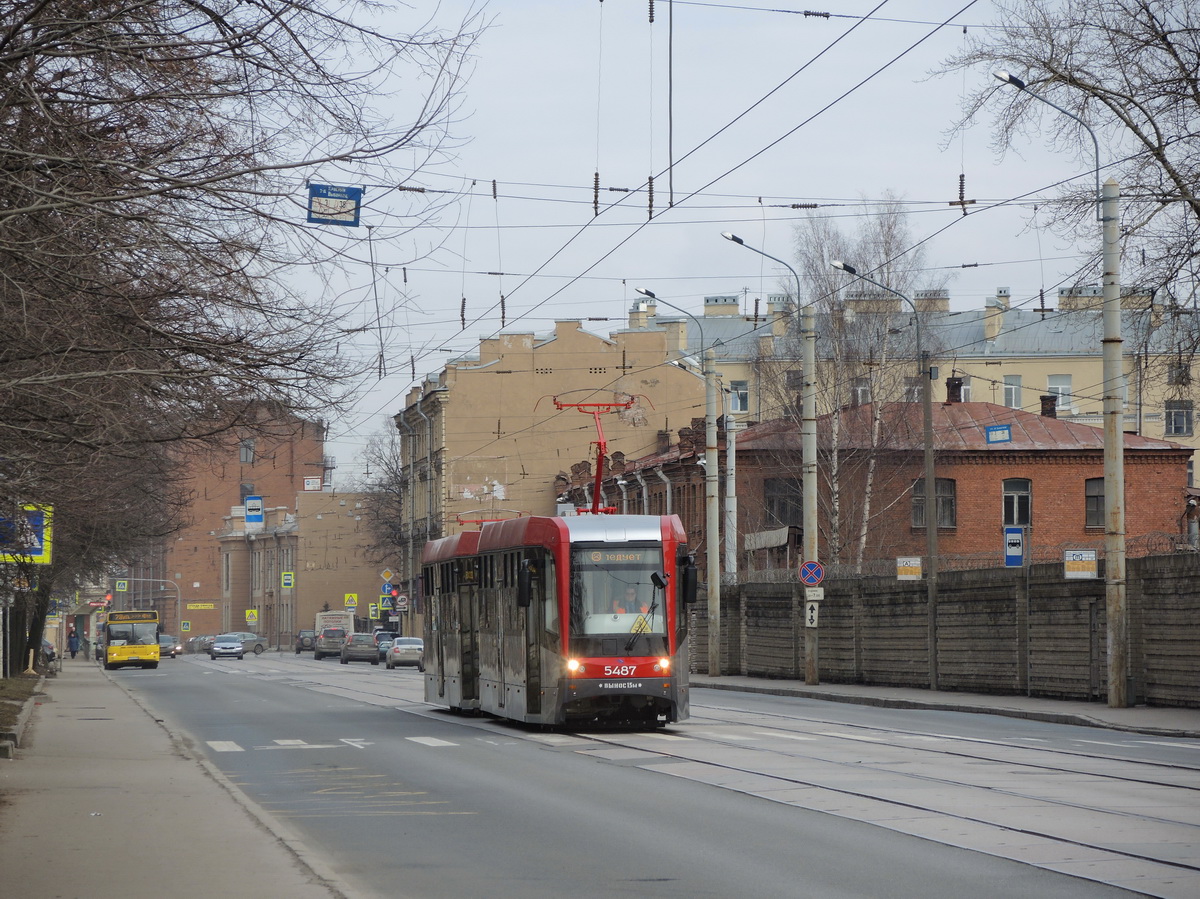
point(406, 651)
point(359, 648)
point(225, 645)
point(48, 651)
point(252, 642)
point(305, 641)
point(167, 646)
point(329, 642)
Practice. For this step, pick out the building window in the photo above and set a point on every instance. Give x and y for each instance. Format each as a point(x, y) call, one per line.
point(1179, 373)
point(246, 452)
point(966, 389)
point(1060, 386)
point(860, 392)
point(1178, 418)
point(1012, 391)
point(784, 503)
point(912, 389)
point(947, 503)
point(1018, 495)
point(794, 379)
point(739, 396)
point(1093, 507)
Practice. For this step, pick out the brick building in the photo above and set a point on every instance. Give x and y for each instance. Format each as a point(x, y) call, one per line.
point(321, 539)
point(276, 458)
point(995, 467)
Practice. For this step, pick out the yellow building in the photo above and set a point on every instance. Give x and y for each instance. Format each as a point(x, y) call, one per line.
point(497, 435)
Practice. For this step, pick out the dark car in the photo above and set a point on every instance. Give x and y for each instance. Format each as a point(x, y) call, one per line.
point(382, 637)
point(167, 646)
point(305, 640)
point(360, 648)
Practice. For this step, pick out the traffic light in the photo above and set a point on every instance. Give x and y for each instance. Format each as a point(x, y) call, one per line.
point(108, 598)
point(395, 592)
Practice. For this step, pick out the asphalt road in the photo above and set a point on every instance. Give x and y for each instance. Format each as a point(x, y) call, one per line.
point(753, 796)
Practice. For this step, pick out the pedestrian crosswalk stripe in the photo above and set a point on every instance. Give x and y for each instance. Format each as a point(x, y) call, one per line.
point(429, 741)
point(224, 746)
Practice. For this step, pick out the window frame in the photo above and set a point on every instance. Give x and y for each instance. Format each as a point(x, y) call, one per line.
point(945, 502)
point(1093, 503)
point(1010, 489)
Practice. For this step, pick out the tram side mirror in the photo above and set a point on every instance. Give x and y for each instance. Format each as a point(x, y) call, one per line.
point(524, 584)
point(691, 580)
point(659, 579)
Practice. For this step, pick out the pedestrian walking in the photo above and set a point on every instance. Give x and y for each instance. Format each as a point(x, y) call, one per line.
point(73, 643)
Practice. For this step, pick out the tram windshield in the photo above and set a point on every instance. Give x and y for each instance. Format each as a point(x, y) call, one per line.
point(612, 592)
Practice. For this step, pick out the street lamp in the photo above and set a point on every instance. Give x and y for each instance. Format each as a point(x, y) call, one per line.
point(711, 518)
point(808, 445)
point(1114, 438)
point(808, 410)
point(931, 534)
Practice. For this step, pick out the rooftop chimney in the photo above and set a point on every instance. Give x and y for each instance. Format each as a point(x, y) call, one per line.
point(1049, 405)
point(954, 390)
point(993, 313)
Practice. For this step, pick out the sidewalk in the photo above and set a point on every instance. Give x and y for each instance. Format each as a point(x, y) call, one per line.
point(101, 801)
point(1161, 722)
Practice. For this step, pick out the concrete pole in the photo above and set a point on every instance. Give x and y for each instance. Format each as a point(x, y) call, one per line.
point(1114, 458)
point(712, 520)
point(731, 509)
point(931, 531)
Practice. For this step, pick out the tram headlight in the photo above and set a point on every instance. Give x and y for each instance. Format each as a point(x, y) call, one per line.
point(663, 665)
point(574, 666)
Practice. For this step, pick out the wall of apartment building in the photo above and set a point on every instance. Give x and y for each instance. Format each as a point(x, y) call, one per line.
point(498, 440)
point(325, 545)
point(217, 483)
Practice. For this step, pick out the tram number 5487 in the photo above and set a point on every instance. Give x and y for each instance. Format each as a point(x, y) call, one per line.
point(619, 670)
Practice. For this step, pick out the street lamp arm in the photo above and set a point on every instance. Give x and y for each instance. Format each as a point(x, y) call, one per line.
point(1020, 85)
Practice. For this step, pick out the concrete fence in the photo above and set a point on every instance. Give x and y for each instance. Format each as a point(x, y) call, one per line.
point(1007, 630)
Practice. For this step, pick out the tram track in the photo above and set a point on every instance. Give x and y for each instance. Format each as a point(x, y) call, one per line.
point(751, 756)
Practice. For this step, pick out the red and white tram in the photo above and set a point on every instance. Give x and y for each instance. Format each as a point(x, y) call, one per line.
point(561, 620)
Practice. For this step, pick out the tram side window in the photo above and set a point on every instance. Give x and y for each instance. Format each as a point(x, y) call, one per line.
point(549, 593)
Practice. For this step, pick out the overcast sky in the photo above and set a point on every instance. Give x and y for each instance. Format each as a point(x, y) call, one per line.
point(767, 109)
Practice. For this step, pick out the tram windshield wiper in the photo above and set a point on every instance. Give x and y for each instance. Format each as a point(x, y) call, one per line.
point(645, 617)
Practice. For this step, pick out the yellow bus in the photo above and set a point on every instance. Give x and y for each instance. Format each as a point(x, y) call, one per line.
point(131, 638)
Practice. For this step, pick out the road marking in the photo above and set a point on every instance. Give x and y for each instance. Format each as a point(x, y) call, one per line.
point(224, 746)
point(292, 742)
point(1165, 743)
point(770, 733)
point(358, 743)
point(844, 736)
point(667, 737)
point(429, 741)
point(721, 735)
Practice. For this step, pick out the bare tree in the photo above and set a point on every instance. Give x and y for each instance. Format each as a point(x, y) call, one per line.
point(1131, 70)
point(152, 246)
point(158, 283)
point(866, 355)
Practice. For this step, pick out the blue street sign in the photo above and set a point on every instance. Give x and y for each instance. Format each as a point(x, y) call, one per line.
point(331, 204)
point(999, 433)
point(387, 588)
point(1014, 547)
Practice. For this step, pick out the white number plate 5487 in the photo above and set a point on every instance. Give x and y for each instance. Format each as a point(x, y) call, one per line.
point(619, 670)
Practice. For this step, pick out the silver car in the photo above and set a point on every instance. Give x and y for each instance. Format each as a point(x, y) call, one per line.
point(226, 645)
point(252, 642)
point(406, 651)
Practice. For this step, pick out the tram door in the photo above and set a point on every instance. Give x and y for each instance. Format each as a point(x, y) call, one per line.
point(468, 641)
